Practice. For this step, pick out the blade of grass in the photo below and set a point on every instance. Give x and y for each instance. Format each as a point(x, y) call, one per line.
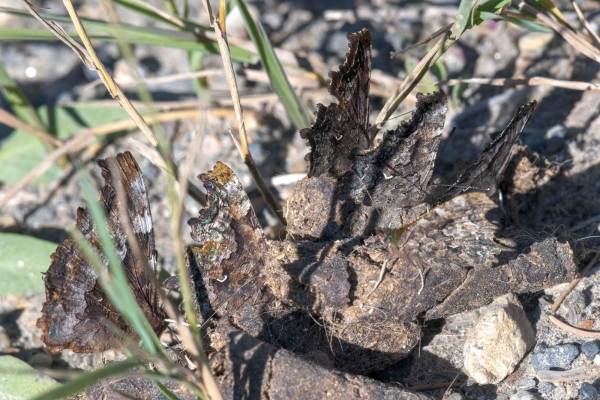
point(133, 34)
point(246, 155)
point(272, 66)
point(76, 385)
point(521, 22)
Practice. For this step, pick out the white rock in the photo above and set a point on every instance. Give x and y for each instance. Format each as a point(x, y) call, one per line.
point(498, 341)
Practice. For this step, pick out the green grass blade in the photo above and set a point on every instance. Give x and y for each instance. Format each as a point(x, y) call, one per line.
point(132, 34)
point(279, 82)
point(19, 103)
point(78, 384)
point(148, 12)
point(522, 23)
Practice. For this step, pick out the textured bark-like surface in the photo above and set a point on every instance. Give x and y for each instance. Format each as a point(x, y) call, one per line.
point(76, 306)
point(487, 170)
point(342, 127)
point(249, 369)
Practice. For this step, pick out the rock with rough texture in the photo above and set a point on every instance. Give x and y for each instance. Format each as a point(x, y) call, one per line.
point(559, 356)
point(590, 349)
point(525, 395)
point(588, 392)
point(498, 341)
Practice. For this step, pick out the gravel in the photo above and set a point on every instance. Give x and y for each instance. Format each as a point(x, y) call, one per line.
point(588, 392)
point(590, 349)
point(559, 356)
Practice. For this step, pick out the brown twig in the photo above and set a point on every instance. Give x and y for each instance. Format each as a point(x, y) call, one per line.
point(579, 374)
point(574, 283)
point(533, 81)
point(572, 330)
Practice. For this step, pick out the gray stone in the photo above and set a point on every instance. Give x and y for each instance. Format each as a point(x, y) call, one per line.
point(525, 395)
point(545, 387)
point(588, 392)
point(530, 383)
point(590, 349)
point(559, 356)
point(498, 341)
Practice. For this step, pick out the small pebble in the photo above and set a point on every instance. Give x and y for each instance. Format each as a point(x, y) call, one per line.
point(530, 383)
point(559, 356)
point(597, 359)
point(590, 349)
point(545, 387)
point(525, 395)
point(588, 392)
point(454, 396)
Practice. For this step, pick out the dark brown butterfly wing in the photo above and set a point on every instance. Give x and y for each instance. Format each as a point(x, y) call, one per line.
point(396, 173)
point(228, 268)
point(486, 172)
point(76, 310)
point(341, 127)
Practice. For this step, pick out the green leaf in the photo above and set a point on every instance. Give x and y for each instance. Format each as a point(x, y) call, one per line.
point(86, 379)
point(522, 23)
point(24, 259)
point(21, 152)
point(277, 77)
point(19, 381)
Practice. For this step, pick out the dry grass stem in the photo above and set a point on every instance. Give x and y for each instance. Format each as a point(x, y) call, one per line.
point(586, 23)
point(84, 139)
point(533, 81)
point(380, 279)
point(89, 58)
point(580, 44)
point(422, 42)
point(572, 330)
point(9, 119)
point(585, 373)
point(77, 143)
point(574, 283)
point(109, 82)
point(246, 155)
point(411, 81)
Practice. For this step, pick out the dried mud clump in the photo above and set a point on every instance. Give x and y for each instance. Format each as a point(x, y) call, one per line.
point(371, 253)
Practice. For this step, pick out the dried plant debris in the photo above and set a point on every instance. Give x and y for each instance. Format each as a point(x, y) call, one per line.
point(367, 256)
point(370, 255)
point(249, 369)
point(76, 309)
point(340, 128)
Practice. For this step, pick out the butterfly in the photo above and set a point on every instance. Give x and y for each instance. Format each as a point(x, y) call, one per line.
point(77, 313)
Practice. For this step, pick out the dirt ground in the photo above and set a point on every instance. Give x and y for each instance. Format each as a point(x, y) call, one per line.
point(565, 129)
